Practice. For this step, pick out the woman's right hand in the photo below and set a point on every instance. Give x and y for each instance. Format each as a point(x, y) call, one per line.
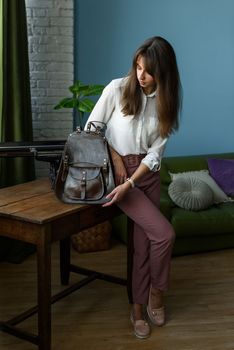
point(119, 167)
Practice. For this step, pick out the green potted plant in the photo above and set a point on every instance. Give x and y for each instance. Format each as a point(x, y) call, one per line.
point(80, 100)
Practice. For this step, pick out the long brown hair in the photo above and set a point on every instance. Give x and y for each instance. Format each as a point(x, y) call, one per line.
point(160, 63)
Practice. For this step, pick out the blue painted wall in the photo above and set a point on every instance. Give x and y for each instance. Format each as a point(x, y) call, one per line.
point(202, 34)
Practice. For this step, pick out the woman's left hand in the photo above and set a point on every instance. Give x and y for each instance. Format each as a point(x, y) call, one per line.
point(117, 194)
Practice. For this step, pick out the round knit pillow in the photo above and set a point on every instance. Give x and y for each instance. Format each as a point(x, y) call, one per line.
point(190, 193)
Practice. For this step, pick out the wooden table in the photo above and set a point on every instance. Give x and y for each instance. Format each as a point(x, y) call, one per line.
point(30, 212)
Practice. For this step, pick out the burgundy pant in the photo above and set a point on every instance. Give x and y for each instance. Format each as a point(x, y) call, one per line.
point(153, 234)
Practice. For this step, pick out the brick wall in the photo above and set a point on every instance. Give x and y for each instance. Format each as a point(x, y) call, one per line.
point(50, 44)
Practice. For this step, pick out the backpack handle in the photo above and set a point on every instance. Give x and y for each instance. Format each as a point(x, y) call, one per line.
point(98, 129)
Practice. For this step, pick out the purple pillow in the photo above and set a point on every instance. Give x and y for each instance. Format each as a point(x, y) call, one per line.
point(222, 171)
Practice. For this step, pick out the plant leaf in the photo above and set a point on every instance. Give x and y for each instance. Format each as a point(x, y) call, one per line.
point(78, 89)
point(68, 102)
point(78, 100)
point(93, 90)
point(86, 106)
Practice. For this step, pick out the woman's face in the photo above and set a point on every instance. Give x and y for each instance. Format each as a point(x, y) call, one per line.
point(146, 81)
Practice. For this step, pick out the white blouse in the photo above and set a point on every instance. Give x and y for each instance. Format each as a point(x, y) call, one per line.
point(130, 134)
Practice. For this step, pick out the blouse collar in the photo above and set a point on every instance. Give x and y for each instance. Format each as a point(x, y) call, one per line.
point(153, 94)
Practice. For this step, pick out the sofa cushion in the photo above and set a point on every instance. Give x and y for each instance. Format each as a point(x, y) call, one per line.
point(216, 220)
point(191, 193)
point(222, 171)
point(219, 195)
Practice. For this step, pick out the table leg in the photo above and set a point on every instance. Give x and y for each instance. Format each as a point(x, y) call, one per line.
point(44, 290)
point(65, 256)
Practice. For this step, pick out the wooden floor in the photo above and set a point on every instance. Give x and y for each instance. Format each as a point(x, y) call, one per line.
point(200, 305)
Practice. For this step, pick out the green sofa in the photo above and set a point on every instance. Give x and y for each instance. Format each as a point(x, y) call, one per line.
point(196, 231)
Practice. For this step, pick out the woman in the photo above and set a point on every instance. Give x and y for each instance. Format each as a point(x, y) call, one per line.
point(141, 112)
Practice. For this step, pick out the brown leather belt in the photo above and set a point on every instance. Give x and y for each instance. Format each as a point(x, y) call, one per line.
point(133, 159)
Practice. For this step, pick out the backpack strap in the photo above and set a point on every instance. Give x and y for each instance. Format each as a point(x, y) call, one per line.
point(83, 185)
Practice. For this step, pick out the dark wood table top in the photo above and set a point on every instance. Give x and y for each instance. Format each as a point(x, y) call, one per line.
point(35, 202)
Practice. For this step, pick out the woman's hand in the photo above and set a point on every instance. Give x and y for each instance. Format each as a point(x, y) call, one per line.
point(119, 167)
point(117, 194)
point(120, 171)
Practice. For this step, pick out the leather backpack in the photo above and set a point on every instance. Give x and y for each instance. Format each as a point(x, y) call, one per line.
point(85, 173)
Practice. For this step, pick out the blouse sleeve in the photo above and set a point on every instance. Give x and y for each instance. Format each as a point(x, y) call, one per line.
point(104, 107)
point(154, 155)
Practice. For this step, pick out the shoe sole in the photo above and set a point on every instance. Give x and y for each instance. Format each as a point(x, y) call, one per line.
point(140, 336)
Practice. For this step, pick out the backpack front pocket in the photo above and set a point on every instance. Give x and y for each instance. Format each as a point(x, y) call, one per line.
point(84, 183)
